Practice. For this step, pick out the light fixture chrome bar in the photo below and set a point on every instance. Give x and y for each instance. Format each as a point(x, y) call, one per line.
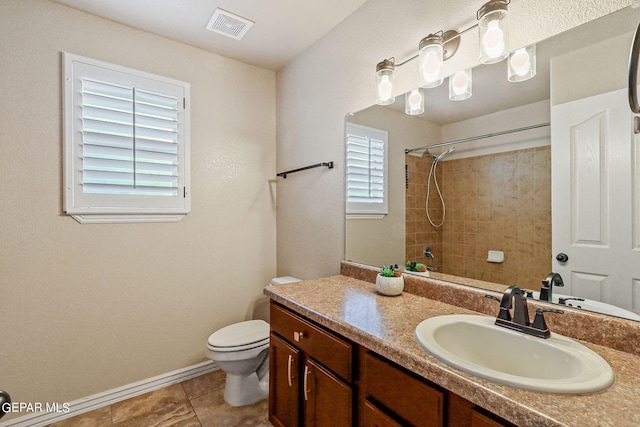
point(444, 42)
point(475, 138)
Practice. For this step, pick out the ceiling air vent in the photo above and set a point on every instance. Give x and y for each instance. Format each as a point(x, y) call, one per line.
point(228, 24)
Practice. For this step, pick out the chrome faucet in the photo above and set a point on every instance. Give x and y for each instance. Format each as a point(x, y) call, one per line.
point(514, 298)
point(428, 253)
point(546, 291)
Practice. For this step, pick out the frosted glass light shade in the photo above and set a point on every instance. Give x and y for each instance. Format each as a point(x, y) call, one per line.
point(430, 61)
point(414, 102)
point(494, 32)
point(461, 85)
point(522, 64)
point(385, 83)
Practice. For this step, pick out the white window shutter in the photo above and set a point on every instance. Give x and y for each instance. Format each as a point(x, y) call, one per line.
point(126, 141)
point(366, 170)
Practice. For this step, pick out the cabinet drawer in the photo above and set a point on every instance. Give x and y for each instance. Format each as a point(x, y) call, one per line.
point(372, 416)
point(480, 420)
point(331, 351)
point(401, 394)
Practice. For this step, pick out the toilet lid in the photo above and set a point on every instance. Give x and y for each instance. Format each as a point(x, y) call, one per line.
point(247, 334)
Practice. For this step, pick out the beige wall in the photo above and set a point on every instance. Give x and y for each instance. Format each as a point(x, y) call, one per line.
point(87, 308)
point(336, 76)
point(382, 241)
point(574, 76)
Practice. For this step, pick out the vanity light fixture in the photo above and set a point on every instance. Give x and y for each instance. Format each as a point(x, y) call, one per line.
point(460, 85)
point(385, 82)
point(414, 102)
point(437, 47)
point(522, 64)
point(494, 35)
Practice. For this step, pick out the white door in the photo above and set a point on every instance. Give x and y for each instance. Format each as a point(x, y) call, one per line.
point(596, 199)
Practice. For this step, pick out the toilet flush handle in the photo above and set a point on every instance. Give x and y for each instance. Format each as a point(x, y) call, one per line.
point(297, 336)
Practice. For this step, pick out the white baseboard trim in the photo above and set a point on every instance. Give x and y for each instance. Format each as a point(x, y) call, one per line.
point(109, 397)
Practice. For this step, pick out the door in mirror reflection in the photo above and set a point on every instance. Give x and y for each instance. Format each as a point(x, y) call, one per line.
point(595, 199)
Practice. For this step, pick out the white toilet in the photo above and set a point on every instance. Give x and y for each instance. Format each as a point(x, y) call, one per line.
point(242, 351)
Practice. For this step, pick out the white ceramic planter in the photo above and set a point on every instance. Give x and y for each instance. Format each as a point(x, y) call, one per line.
point(390, 286)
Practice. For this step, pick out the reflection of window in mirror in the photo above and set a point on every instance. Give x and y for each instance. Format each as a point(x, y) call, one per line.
point(366, 171)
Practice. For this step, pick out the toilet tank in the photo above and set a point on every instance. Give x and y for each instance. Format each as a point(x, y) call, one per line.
point(283, 279)
point(259, 307)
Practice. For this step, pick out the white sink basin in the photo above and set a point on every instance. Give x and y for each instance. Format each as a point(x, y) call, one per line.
point(472, 343)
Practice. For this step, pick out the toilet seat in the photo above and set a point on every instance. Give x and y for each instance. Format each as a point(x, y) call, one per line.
point(240, 336)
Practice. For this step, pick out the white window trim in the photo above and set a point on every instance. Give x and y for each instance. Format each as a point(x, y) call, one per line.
point(368, 210)
point(120, 212)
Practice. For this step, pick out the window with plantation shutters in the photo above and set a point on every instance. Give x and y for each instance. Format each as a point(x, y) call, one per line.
point(366, 170)
point(126, 144)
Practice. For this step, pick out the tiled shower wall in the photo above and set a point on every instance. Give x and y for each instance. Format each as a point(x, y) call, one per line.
point(420, 233)
point(496, 202)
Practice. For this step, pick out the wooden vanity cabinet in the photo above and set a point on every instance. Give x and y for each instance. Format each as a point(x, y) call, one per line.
point(391, 396)
point(318, 378)
point(310, 379)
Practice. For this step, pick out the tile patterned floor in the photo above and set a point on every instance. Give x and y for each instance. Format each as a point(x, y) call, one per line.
point(197, 402)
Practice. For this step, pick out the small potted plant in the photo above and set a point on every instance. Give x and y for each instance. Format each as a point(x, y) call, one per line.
point(416, 267)
point(389, 281)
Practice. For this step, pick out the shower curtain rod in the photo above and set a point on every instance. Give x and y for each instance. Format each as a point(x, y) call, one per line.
point(474, 138)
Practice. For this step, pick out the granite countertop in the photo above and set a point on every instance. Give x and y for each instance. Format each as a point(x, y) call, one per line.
point(385, 325)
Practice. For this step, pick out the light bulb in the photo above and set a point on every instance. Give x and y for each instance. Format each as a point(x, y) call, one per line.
point(460, 85)
point(431, 66)
point(520, 62)
point(493, 39)
point(414, 103)
point(414, 99)
point(385, 82)
point(430, 60)
point(460, 82)
point(385, 88)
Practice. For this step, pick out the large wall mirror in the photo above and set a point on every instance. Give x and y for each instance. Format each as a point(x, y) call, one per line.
point(519, 176)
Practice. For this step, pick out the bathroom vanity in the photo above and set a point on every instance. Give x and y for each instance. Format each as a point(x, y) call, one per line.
point(344, 355)
point(325, 379)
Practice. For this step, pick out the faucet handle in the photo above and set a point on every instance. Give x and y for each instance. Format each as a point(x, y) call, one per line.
point(540, 323)
point(504, 313)
point(495, 298)
point(563, 301)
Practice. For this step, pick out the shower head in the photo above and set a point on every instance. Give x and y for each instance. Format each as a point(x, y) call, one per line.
point(441, 156)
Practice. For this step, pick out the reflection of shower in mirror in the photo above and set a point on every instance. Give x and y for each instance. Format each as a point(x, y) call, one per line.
point(432, 172)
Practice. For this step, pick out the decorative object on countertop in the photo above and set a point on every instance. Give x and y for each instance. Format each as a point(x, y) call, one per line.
point(389, 281)
point(416, 266)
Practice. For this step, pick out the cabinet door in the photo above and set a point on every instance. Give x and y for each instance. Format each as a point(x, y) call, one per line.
point(284, 383)
point(328, 402)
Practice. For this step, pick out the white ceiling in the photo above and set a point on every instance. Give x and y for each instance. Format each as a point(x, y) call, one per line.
point(282, 30)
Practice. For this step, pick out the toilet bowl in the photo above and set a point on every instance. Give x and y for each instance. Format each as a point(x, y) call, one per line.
point(242, 351)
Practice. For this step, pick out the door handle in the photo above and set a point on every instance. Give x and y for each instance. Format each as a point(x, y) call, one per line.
point(289, 363)
point(307, 371)
point(633, 73)
point(562, 257)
